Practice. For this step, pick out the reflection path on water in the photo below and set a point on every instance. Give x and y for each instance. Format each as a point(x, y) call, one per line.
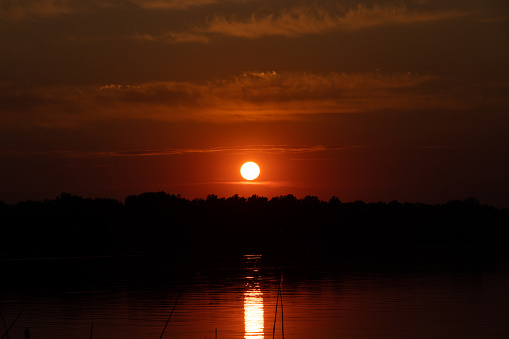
point(253, 314)
point(253, 301)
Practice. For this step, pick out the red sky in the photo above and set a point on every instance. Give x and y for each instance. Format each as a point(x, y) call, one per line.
point(373, 101)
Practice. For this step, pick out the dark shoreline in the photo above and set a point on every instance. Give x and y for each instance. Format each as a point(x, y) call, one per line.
point(169, 225)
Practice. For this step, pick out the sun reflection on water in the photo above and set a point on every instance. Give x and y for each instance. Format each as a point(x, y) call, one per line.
point(253, 303)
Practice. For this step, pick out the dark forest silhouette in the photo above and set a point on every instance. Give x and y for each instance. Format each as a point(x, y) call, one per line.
point(169, 224)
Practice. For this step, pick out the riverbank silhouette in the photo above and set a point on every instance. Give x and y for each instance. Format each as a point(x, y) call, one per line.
point(161, 223)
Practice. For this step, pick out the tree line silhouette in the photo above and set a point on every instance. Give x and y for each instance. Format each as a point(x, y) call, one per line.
point(162, 223)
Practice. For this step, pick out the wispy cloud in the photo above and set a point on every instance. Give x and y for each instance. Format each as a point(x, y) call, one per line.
point(173, 37)
point(289, 22)
point(21, 9)
point(249, 96)
point(313, 20)
point(16, 10)
point(256, 183)
point(260, 149)
point(296, 22)
point(180, 4)
point(171, 4)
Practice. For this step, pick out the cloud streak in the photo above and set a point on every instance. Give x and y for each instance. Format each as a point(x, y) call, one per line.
point(23, 9)
point(264, 149)
point(299, 21)
point(315, 20)
point(18, 10)
point(171, 4)
point(173, 37)
point(288, 22)
point(251, 95)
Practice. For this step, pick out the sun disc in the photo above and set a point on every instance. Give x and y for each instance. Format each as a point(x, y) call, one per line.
point(250, 170)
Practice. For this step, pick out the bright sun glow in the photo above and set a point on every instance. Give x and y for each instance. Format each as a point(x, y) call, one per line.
point(250, 171)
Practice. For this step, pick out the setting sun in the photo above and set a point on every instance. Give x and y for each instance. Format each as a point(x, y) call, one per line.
point(250, 171)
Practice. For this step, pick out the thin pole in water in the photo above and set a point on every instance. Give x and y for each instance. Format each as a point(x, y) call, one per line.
point(173, 309)
point(91, 329)
point(5, 325)
point(277, 302)
point(281, 295)
point(12, 324)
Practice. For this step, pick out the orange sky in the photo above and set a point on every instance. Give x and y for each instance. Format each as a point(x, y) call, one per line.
point(374, 101)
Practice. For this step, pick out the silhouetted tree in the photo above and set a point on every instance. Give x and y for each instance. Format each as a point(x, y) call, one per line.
point(158, 222)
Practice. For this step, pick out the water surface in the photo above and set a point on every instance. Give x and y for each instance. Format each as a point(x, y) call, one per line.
point(235, 297)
